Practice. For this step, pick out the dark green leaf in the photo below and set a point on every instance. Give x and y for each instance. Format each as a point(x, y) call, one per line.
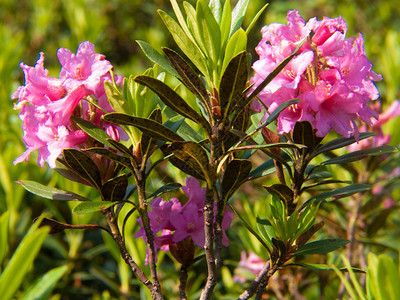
point(236, 171)
point(50, 193)
point(265, 169)
point(83, 165)
point(123, 160)
point(121, 147)
point(341, 142)
point(172, 99)
point(277, 145)
point(157, 58)
point(361, 154)
point(169, 187)
point(182, 164)
point(321, 246)
point(233, 83)
point(303, 133)
point(115, 188)
point(147, 126)
point(341, 192)
point(147, 143)
point(90, 207)
point(194, 155)
point(189, 77)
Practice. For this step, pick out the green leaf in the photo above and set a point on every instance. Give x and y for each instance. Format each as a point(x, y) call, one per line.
point(115, 188)
point(340, 192)
point(45, 285)
point(92, 130)
point(236, 44)
point(266, 146)
point(195, 156)
point(255, 19)
point(209, 31)
point(341, 142)
point(4, 221)
point(237, 15)
point(226, 24)
point(215, 6)
point(169, 187)
point(262, 170)
point(185, 43)
point(236, 171)
point(21, 261)
point(83, 165)
point(361, 154)
point(283, 192)
point(157, 58)
point(256, 235)
point(321, 246)
point(90, 207)
point(303, 133)
point(121, 147)
point(189, 77)
point(117, 101)
point(182, 164)
point(147, 126)
point(172, 99)
point(181, 19)
point(49, 192)
point(233, 83)
point(321, 267)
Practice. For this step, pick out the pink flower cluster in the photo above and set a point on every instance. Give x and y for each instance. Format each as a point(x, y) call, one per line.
point(175, 222)
point(331, 75)
point(46, 104)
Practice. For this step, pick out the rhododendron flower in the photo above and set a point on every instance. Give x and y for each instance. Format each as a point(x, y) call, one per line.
point(248, 263)
point(176, 222)
point(47, 103)
point(330, 74)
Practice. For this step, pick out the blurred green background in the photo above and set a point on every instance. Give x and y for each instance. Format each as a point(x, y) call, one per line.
point(28, 27)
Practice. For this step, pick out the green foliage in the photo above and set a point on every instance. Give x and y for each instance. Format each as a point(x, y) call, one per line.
point(214, 42)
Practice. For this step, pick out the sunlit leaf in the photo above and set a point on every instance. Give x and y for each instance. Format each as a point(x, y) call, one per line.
point(117, 101)
point(49, 192)
point(184, 42)
point(157, 58)
point(321, 267)
point(90, 207)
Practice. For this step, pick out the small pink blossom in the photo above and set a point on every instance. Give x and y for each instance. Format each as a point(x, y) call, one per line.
point(330, 74)
point(47, 103)
point(175, 223)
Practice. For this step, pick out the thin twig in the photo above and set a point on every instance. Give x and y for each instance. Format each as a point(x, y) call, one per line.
point(182, 282)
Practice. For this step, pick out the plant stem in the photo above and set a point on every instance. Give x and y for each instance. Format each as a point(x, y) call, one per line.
point(141, 185)
point(112, 223)
point(182, 282)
